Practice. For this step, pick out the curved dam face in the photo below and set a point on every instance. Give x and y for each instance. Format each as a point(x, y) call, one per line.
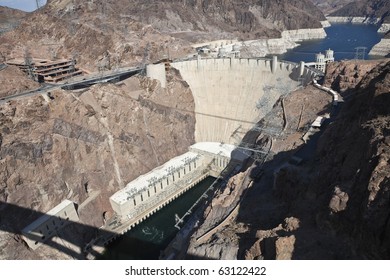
point(234, 94)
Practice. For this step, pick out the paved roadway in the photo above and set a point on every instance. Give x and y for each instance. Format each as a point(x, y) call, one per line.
point(86, 80)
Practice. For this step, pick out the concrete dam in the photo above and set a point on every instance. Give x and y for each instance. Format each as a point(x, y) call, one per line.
point(234, 94)
point(230, 94)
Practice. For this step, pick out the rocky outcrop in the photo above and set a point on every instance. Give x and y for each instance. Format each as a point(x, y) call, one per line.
point(88, 37)
point(217, 215)
point(13, 81)
point(339, 200)
point(366, 9)
point(382, 48)
point(10, 18)
point(325, 23)
point(384, 28)
point(345, 75)
point(289, 39)
point(355, 184)
point(84, 146)
point(250, 18)
point(329, 6)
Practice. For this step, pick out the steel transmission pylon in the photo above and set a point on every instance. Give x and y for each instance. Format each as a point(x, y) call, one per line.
point(360, 53)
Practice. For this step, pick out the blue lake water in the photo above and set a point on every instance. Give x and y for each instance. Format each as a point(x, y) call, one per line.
point(342, 38)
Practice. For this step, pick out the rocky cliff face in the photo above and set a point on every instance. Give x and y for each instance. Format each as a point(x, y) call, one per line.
point(64, 29)
point(365, 8)
point(10, 18)
point(383, 47)
point(84, 146)
point(354, 164)
point(131, 32)
point(256, 19)
point(13, 80)
point(346, 75)
point(329, 6)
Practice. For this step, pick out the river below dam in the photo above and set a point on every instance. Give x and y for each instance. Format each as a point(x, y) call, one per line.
point(342, 38)
point(147, 239)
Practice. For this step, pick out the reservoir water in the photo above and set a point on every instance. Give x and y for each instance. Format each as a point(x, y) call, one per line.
point(342, 38)
point(147, 239)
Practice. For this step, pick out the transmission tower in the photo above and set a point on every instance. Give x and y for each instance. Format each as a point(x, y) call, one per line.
point(38, 2)
point(28, 61)
point(145, 58)
point(360, 53)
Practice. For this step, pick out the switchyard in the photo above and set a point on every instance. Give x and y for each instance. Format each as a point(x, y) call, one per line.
point(49, 71)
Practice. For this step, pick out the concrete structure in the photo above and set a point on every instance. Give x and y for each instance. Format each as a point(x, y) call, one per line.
point(335, 95)
point(45, 70)
point(222, 52)
point(234, 94)
point(220, 48)
point(150, 192)
point(322, 60)
point(318, 122)
point(50, 224)
point(157, 72)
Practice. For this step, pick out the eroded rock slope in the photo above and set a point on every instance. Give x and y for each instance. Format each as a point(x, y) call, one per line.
point(84, 146)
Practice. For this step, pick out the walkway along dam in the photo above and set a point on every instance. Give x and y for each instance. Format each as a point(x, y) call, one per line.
point(231, 95)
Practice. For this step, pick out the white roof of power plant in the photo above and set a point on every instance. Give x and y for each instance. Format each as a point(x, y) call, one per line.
point(214, 148)
point(227, 150)
point(159, 172)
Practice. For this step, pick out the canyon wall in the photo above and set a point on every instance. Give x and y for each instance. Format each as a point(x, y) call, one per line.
point(84, 146)
point(382, 48)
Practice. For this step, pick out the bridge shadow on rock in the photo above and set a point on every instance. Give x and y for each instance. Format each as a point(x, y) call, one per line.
point(71, 239)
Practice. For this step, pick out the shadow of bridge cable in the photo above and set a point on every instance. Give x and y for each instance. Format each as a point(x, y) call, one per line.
point(71, 239)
